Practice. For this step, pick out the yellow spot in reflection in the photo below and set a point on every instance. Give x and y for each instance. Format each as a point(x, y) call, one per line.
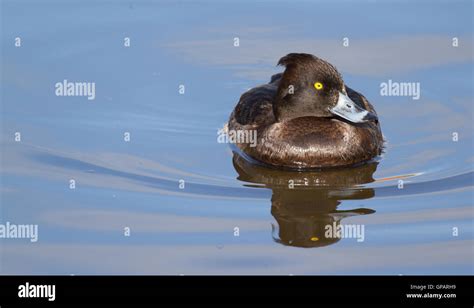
point(314, 239)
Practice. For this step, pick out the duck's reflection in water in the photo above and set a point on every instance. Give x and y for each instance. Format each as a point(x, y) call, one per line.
point(304, 204)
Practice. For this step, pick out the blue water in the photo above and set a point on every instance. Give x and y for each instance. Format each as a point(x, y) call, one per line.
point(190, 230)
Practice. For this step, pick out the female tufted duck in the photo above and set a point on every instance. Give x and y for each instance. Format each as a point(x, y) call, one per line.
point(307, 118)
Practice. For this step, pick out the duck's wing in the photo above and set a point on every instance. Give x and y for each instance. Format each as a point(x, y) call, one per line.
point(276, 78)
point(360, 100)
point(255, 106)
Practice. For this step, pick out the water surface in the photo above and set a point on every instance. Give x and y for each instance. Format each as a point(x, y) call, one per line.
point(181, 193)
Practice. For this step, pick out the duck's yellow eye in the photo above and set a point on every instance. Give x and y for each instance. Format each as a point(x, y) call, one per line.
point(318, 85)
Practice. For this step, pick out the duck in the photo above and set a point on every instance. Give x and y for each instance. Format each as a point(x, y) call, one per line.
point(307, 118)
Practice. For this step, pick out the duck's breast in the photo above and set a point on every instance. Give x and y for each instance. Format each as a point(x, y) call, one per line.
point(311, 142)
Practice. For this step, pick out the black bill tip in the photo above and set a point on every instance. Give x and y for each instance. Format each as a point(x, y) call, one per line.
point(370, 117)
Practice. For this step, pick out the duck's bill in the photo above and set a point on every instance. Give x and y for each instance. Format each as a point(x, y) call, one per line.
point(347, 109)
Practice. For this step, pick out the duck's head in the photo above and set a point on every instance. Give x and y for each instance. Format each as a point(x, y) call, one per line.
point(312, 87)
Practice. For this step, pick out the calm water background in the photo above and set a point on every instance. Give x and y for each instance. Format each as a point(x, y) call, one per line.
point(191, 231)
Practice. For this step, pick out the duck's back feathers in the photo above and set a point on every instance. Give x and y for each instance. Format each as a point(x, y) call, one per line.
point(255, 106)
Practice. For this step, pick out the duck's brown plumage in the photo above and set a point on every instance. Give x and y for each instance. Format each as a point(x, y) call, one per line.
point(304, 142)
